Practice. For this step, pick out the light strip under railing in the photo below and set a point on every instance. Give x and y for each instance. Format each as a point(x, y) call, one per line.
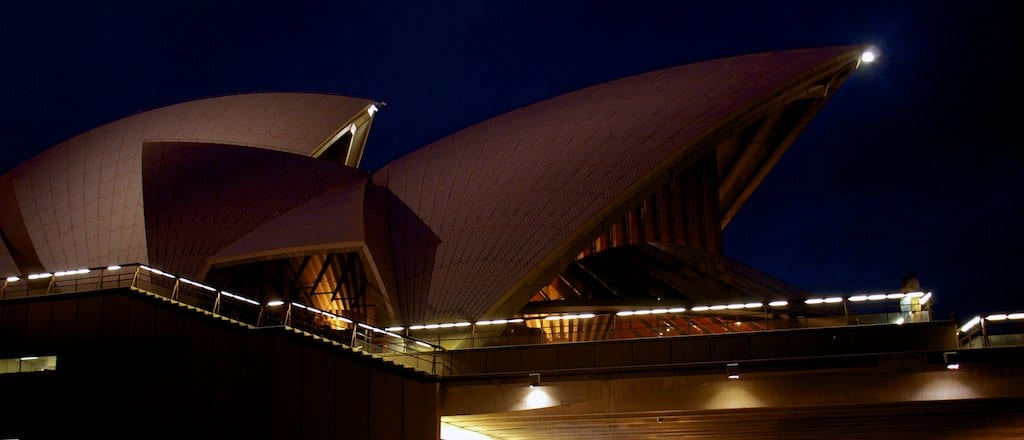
point(158, 272)
point(330, 315)
point(970, 324)
point(199, 285)
point(1004, 316)
point(568, 317)
point(925, 297)
point(829, 300)
point(239, 297)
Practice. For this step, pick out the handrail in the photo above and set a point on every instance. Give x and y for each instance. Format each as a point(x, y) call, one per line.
point(360, 336)
point(415, 343)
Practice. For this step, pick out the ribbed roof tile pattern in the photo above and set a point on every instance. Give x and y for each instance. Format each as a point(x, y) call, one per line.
point(500, 196)
point(82, 200)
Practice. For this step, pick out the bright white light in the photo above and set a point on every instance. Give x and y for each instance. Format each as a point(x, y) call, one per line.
point(899, 321)
point(538, 398)
point(894, 296)
point(814, 301)
point(421, 343)
point(12, 279)
point(733, 376)
point(925, 298)
point(858, 298)
point(158, 272)
point(586, 315)
point(484, 323)
point(642, 312)
point(368, 327)
point(462, 324)
point(868, 56)
point(778, 303)
point(1015, 316)
point(511, 321)
point(553, 318)
point(416, 327)
point(915, 294)
point(240, 298)
point(201, 286)
point(37, 276)
point(996, 317)
point(304, 307)
point(275, 303)
point(833, 300)
point(70, 272)
point(970, 324)
point(503, 321)
point(953, 367)
point(753, 305)
point(371, 110)
point(113, 268)
point(719, 307)
point(30, 358)
point(677, 310)
point(447, 325)
point(734, 306)
point(701, 308)
point(625, 313)
point(431, 326)
point(876, 297)
point(659, 311)
point(395, 329)
point(451, 432)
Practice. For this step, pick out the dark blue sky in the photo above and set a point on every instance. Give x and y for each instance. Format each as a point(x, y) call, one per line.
point(913, 165)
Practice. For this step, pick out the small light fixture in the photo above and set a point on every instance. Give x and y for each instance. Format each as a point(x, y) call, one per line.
point(275, 303)
point(113, 268)
point(534, 380)
point(732, 369)
point(12, 279)
point(868, 56)
point(952, 360)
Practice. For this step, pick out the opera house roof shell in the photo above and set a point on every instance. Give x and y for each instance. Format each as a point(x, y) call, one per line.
point(468, 226)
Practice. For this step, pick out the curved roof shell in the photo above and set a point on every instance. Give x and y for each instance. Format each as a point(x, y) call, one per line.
point(506, 203)
point(80, 203)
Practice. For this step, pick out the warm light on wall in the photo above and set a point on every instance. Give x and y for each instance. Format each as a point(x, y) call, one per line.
point(452, 432)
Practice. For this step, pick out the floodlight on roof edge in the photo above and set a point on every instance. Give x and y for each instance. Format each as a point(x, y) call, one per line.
point(869, 55)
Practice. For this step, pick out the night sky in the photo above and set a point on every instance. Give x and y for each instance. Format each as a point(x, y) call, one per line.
point(912, 165)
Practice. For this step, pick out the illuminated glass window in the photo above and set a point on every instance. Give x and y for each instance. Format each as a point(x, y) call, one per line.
point(27, 364)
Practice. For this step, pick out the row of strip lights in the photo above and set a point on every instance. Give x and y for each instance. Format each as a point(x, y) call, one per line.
point(925, 297)
point(996, 317)
point(277, 303)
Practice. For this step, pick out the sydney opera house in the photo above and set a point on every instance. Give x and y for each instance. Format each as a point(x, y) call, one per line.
point(225, 268)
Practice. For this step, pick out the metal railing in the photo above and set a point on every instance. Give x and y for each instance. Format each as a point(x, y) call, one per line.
point(376, 342)
point(610, 327)
point(423, 346)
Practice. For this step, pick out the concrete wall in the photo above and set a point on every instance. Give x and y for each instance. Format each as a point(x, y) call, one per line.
point(132, 366)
